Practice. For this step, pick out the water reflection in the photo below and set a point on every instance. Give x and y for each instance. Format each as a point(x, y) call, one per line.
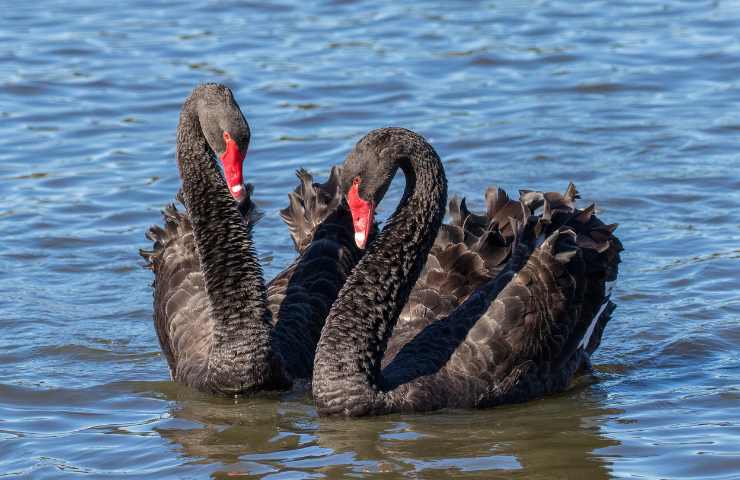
point(557, 437)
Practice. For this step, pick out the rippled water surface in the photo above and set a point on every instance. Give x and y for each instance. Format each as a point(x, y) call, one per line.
point(635, 102)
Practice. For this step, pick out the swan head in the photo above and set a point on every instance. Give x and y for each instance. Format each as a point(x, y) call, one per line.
point(226, 131)
point(367, 173)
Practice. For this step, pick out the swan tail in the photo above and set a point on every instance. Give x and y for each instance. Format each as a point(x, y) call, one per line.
point(600, 251)
point(309, 205)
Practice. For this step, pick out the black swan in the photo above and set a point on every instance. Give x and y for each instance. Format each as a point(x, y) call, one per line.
point(220, 328)
point(536, 317)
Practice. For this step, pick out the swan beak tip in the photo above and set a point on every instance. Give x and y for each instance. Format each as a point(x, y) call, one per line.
point(237, 191)
point(360, 239)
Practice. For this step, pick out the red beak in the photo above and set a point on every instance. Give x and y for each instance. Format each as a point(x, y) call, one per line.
point(233, 159)
point(362, 215)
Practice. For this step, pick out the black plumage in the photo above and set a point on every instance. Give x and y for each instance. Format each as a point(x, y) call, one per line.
point(508, 305)
point(221, 329)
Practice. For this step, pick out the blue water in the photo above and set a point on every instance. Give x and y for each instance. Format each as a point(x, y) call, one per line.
point(635, 102)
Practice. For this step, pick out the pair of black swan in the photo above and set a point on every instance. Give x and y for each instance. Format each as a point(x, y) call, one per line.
point(488, 309)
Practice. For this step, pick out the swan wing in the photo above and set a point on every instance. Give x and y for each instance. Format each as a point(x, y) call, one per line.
point(184, 327)
point(468, 251)
point(300, 296)
point(182, 319)
point(522, 334)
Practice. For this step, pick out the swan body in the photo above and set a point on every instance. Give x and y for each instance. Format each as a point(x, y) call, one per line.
point(220, 328)
point(510, 304)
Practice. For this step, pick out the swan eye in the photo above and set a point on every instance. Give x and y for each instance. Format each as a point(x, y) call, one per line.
point(356, 181)
point(227, 137)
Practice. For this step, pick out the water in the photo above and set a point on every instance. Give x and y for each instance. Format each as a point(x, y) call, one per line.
point(635, 102)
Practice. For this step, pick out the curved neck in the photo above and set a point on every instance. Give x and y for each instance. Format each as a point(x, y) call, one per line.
point(240, 350)
point(347, 365)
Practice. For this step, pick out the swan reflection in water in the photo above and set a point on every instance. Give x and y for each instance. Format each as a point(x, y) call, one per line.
point(559, 436)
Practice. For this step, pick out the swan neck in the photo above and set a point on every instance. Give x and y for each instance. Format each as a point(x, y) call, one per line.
point(347, 375)
point(233, 276)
